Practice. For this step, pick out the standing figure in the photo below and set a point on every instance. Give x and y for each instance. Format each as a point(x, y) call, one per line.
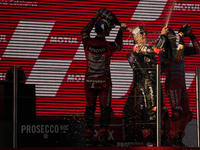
point(143, 62)
point(98, 83)
point(175, 82)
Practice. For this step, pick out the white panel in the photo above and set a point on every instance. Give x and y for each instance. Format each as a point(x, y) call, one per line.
point(149, 10)
point(48, 72)
point(28, 39)
point(120, 70)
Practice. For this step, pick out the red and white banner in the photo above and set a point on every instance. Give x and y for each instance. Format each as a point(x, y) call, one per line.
point(43, 37)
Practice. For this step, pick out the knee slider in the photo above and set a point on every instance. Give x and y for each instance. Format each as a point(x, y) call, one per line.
point(177, 113)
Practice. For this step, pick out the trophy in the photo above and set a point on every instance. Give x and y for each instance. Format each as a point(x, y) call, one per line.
point(106, 14)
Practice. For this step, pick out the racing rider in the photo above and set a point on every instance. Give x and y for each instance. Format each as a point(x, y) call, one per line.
point(175, 82)
point(143, 62)
point(98, 52)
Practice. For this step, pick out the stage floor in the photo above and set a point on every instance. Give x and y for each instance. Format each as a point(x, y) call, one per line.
point(107, 148)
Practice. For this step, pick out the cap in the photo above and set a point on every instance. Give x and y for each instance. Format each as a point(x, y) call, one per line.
point(137, 30)
point(103, 24)
point(172, 34)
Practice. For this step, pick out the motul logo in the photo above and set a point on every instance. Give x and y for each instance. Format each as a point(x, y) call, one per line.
point(63, 40)
point(187, 7)
point(76, 78)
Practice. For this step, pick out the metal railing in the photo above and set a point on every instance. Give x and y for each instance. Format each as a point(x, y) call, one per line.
point(158, 112)
point(198, 105)
point(15, 89)
point(158, 108)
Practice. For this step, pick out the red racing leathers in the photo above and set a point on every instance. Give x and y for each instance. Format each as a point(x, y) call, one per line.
point(176, 88)
point(98, 52)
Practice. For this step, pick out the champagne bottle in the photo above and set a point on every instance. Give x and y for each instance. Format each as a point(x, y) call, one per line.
point(186, 29)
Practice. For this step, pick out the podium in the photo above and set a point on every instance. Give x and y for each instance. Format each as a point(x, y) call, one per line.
point(25, 102)
point(26, 110)
point(30, 131)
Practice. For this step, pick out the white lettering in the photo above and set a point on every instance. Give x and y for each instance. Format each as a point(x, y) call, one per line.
point(186, 7)
point(4, 2)
point(23, 127)
point(41, 128)
point(22, 3)
point(33, 129)
point(95, 133)
point(127, 144)
point(46, 129)
point(28, 129)
point(94, 50)
point(2, 76)
point(77, 78)
point(53, 39)
point(61, 40)
point(96, 58)
point(70, 40)
point(3, 38)
point(189, 6)
point(110, 133)
point(64, 127)
point(96, 65)
point(128, 42)
point(70, 77)
point(38, 128)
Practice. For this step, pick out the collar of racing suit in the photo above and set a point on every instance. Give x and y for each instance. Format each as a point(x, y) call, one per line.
point(99, 38)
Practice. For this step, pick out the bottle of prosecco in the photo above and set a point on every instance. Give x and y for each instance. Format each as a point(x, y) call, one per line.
point(186, 29)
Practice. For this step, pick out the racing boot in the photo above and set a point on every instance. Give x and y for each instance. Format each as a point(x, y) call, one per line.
point(175, 125)
point(149, 138)
point(185, 119)
point(165, 127)
point(103, 141)
point(89, 138)
point(177, 140)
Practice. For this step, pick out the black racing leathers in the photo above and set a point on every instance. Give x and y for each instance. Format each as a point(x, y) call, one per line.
point(143, 62)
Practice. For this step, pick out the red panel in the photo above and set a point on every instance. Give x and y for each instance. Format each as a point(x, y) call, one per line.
point(43, 37)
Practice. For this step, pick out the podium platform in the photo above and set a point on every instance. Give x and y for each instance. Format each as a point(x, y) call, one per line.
point(107, 148)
